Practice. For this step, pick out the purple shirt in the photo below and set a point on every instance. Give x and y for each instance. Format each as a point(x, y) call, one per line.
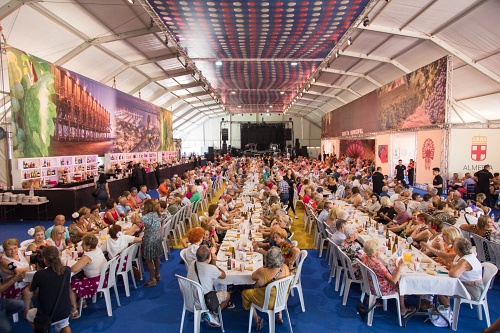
point(402, 217)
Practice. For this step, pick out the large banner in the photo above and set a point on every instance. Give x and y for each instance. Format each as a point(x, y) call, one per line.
point(414, 100)
point(382, 150)
point(471, 149)
point(364, 149)
point(429, 145)
point(58, 112)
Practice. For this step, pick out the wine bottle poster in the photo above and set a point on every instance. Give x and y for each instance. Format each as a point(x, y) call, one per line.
point(411, 101)
point(58, 112)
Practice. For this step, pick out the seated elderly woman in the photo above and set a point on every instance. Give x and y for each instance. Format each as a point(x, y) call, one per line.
point(290, 252)
point(80, 227)
point(466, 267)
point(387, 281)
point(355, 199)
point(95, 219)
point(372, 205)
point(117, 241)
point(406, 229)
point(386, 212)
point(38, 234)
point(274, 269)
point(483, 228)
point(445, 246)
point(57, 237)
point(333, 215)
point(84, 284)
point(401, 216)
point(14, 256)
point(352, 248)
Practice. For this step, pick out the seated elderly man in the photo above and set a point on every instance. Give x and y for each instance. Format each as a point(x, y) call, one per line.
point(123, 208)
point(58, 220)
point(195, 197)
point(385, 192)
point(402, 215)
point(342, 215)
point(164, 188)
point(143, 193)
point(204, 270)
point(338, 237)
point(458, 202)
point(323, 215)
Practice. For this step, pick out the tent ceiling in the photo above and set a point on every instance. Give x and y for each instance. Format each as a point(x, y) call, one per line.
point(123, 43)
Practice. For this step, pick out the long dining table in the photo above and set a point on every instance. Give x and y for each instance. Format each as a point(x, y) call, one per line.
point(421, 275)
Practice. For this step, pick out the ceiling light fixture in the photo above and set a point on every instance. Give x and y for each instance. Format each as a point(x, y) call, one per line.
point(239, 106)
point(336, 54)
point(366, 21)
point(313, 80)
point(131, 1)
point(218, 63)
point(166, 40)
point(282, 92)
point(233, 92)
point(151, 23)
point(293, 63)
point(349, 41)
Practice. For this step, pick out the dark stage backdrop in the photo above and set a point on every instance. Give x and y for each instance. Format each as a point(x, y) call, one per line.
point(263, 135)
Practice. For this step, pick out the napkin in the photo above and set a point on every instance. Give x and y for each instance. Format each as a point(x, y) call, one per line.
point(426, 260)
point(428, 271)
point(249, 268)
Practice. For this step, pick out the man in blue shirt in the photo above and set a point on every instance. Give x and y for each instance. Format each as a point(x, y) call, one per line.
point(58, 220)
point(123, 208)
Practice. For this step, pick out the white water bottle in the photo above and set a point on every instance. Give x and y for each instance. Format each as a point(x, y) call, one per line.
point(32, 191)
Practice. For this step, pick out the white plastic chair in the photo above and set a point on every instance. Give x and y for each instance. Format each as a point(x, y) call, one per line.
point(125, 267)
point(24, 244)
point(340, 191)
point(137, 259)
point(280, 304)
point(296, 284)
point(194, 302)
point(489, 272)
point(183, 256)
point(107, 281)
point(321, 236)
point(370, 279)
point(349, 276)
point(333, 260)
point(479, 241)
point(494, 249)
point(193, 218)
point(167, 232)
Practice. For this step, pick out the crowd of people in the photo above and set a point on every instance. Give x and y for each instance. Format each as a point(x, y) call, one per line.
point(427, 219)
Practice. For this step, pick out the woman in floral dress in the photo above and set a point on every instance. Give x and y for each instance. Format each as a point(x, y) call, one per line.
point(387, 282)
point(152, 241)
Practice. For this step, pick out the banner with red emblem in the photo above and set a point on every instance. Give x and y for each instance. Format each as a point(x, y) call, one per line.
point(471, 149)
point(429, 146)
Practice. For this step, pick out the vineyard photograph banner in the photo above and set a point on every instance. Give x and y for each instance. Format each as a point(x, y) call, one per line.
point(58, 112)
point(414, 100)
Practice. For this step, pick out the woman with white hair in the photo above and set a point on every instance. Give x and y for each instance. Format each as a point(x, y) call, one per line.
point(388, 282)
point(467, 268)
point(352, 248)
point(275, 269)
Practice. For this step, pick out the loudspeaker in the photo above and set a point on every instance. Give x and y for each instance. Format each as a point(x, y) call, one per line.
point(288, 134)
point(211, 150)
point(303, 151)
point(224, 133)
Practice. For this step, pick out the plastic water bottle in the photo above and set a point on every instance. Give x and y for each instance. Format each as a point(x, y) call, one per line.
point(32, 191)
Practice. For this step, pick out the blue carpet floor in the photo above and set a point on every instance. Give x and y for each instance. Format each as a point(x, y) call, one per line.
point(158, 309)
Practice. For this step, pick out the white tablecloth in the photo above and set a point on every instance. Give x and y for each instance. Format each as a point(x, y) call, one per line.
point(236, 276)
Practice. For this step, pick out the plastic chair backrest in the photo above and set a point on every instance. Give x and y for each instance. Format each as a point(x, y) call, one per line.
point(479, 241)
point(298, 272)
point(494, 249)
point(470, 219)
point(370, 280)
point(192, 293)
point(282, 288)
point(489, 272)
point(24, 244)
point(183, 256)
point(108, 271)
point(346, 263)
point(124, 255)
point(340, 191)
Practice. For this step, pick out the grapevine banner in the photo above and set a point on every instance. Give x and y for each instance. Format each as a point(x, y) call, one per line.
point(58, 112)
point(414, 100)
point(429, 145)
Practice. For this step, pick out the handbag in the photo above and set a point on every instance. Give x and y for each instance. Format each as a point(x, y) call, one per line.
point(211, 300)
point(363, 311)
point(95, 193)
point(42, 323)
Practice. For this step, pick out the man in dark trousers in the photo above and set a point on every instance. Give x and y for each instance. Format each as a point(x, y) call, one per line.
point(378, 181)
point(136, 178)
point(483, 178)
point(400, 170)
point(437, 182)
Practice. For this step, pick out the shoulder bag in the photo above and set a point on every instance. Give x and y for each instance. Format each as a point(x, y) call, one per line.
point(211, 300)
point(97, 190)
point(42, 323)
